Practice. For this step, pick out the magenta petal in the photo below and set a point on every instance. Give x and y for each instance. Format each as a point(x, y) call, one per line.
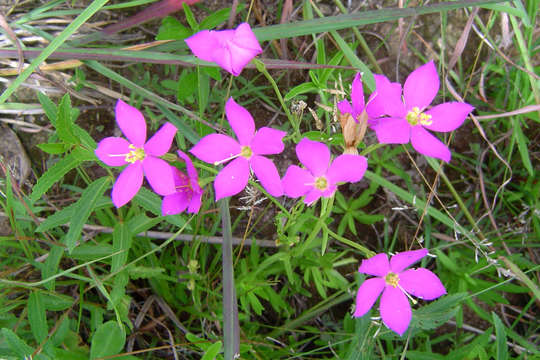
point(421, 86)
point(403, 260)
point(448, 116)
point(241, 122)
point(344, 107)
point(191, 171)
point(386, 99)
point(367, 294)
point(131, 122)
point(232, 179)
point(297, 181)
point(421, 283)
point(127, 184)
point(175, 203)
point(268, 141)
point(113, 150)
point(357, 94)
point(392, 130)
point(377, 265)
point(313, 195)
point(162, 140)
point(195, 203)
point(395, 310)
point(314, 155)
point(267, 173)
point(245, 37)
point(215, 148)
point(347, 168)
point(427, 144)
point(203, 44)
point(224, 58)
point(159, 175)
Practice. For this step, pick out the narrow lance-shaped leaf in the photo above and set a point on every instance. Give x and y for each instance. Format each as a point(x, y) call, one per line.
point(85, 205)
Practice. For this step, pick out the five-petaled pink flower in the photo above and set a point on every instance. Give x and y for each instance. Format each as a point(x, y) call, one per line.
point(408, 119)
point(230, 49)
point(141, 156)
point(188, 191)
point(320, 178)
point(396, 284)
point(244, 153)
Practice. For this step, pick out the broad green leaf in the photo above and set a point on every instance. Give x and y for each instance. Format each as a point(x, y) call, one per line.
point(500, 332)
point(187, 84)
point(190, 18)
point(144, 272)
point(172, 29)
point(108, 340)
point(142, 223)
point(64, 124)
point(66, 214)
point(37, 317)
point(17, 345)
point(437, 313)
point(53, 148)
point(212, 351)
point(216, 18)
point(57, 172)
point(84, 207)
point(121, 242)
point(149, 201)
point(48, 106)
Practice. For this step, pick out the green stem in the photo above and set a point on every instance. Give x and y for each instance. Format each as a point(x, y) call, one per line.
point(368, 253)
point(231, 338)
point(262, 69)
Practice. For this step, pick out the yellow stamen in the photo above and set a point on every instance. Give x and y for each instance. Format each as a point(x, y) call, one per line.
point(137, 154)
point(392, 279)
point(321, 183)
point(246, 152)
point(415, 116)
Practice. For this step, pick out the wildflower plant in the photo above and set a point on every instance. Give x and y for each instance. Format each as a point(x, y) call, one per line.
point(147, 251)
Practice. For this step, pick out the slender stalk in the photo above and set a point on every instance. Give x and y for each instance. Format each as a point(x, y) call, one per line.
point(262, 69)
point(231, 338)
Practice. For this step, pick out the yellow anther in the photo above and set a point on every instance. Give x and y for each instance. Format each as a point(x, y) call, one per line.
point(321, 183)
point(415, 116)
point(392, 279)
point(137, 154)
point(246, 152)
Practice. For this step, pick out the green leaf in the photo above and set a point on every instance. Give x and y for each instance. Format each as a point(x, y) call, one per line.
point(500, 332)
point(108, 340)
point(83, 208)
point(63, 216)
point(216, 18)
point(437, 313)
point(37, 317)
point(64, 123)
point(144, 272)
point(149, 201)
point(522, 141)
point(172, 29)
point(57, 171)
point(190, 18)
point(15, 343)
point(187, 83)
point(121, 242)
point(50, 267)
point(300, 89)
point(48, 106)
point(53, 148)
point(212, 351)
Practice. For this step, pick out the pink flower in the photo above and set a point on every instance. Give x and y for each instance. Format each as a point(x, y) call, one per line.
point(141, 156)
point(320, 178)
point(396, 284)
point(376, 105)
point(188, 191)
point(230, 49)
point(409, 120)
point(246, 153)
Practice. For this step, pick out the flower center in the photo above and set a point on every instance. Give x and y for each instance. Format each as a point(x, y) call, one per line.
point(137, 154)
point(415, 116)
point(321, 183)
point(246, 152)
point(392, 279)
